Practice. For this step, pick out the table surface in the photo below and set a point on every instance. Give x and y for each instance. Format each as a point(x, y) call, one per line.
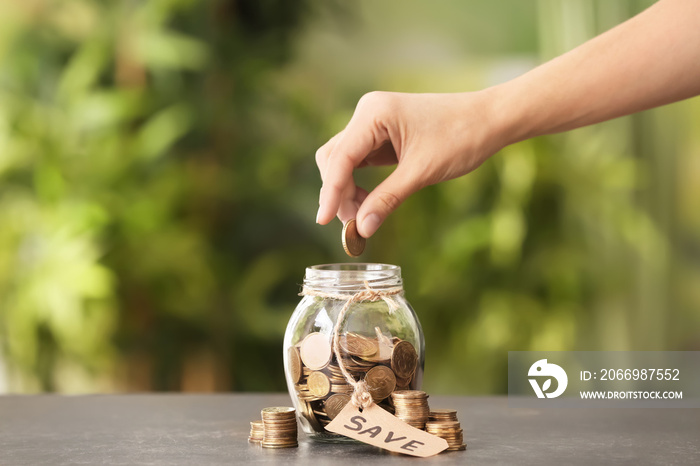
point(213, 429)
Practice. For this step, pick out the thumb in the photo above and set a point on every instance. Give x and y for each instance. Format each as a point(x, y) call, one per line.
point(382, 201)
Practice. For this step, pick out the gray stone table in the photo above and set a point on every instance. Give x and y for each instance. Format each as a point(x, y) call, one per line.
point(213, 429)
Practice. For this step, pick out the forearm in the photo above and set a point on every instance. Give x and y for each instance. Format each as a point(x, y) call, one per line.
point(653, 59)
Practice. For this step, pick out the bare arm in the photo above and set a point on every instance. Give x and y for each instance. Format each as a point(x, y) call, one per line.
point(651, 60)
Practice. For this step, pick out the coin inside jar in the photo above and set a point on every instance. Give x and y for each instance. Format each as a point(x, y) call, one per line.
point(294, 364)
point(381, 382)
point(404, 359)
point(358, 345)
point(316, 351)
point(353, 243)
point(335, 404)
point(319, 384)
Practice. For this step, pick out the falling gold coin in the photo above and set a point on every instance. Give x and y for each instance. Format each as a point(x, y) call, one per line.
point(353, 243)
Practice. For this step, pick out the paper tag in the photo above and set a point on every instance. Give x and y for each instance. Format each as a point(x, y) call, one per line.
point(379, 428)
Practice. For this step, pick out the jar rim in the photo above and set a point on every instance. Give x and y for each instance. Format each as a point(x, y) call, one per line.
point(351, 277)
point(355, 266)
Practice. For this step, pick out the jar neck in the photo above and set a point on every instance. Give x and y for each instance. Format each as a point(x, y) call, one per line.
point(351, 278)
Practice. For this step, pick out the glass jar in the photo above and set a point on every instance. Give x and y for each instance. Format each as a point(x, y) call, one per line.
point(379, 340)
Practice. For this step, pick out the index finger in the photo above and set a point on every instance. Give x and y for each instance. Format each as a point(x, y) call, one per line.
point(356, 142)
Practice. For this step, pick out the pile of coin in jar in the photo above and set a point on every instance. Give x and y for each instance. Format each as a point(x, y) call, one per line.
point(385, 364)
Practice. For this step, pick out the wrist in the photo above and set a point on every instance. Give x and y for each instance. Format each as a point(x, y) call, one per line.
point(495, 121)
point(506, 115)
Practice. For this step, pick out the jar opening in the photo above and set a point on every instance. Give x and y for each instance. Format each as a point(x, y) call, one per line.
point(351, 277)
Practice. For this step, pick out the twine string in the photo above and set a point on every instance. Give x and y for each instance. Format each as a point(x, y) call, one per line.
point(361, 398)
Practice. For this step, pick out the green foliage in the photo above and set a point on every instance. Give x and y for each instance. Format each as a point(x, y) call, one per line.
point(137, 190)
point(158, 191)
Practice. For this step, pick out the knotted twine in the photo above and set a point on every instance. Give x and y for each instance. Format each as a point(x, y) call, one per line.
point(361, 398)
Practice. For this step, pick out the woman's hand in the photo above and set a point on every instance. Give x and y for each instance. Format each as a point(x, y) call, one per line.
point(430, 138)
point(650, 60)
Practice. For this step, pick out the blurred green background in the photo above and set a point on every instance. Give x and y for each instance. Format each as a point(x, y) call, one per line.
point(158, 192)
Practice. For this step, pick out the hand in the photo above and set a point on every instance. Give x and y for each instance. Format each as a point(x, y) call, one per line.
point(649, 60)
point(430, 138)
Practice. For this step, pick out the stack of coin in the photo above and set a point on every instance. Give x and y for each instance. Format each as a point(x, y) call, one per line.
point(279, 428)
point(338, 382)
point(450, 431)
point(256, 432)
point(443, 415)
point(412, 407)
point(386, 364)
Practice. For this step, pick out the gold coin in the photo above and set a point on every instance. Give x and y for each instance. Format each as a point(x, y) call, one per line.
point(277, 413)
point(320, 413)
point(383, 355)
point(308, 414)
point(442, 425)
point(353, 243)
point(411, 406)
point(403, 384)
point(404, 394)
point(404, 359)
point(279, 427)
point(316, 351)
point(319, 384)
point(358, 345)
point(344, 388)
point(462, 447)
point(256, 431)
point(443, 415)
point(290, 445)
point(335, 404)
point(294, 363)
point(381, 382)
point(278, 410)
point(450, 430)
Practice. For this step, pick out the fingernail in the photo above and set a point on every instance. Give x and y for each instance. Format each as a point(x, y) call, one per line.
point(371, 224)
point(318, 213)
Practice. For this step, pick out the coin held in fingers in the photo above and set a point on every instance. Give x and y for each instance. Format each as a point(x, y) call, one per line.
point(353, 243)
